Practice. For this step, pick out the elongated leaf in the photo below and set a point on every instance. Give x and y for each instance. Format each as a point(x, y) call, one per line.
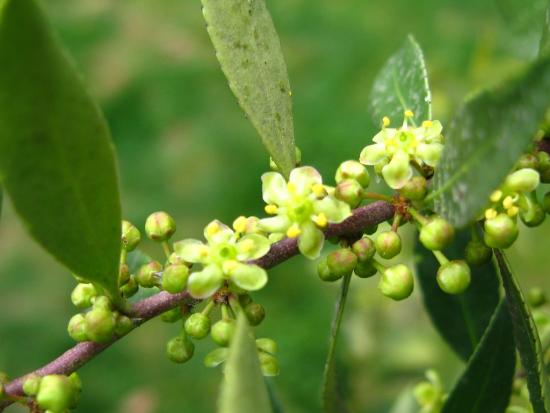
point(244, 389)
point(527, 339)
point(249, 52)
point(460, 319)
point(486, 384)
point(486, 138)
point(402, 84)
point(56, 159)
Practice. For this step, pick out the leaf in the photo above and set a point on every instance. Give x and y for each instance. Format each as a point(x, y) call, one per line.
point(545, 38)
point(56, 159)
point(402, 84)
point(524, 16)
point(486, 384)
point(486, 138)
point(244, 389)
point(460, 319)
point(527, 339)
point(251, 58)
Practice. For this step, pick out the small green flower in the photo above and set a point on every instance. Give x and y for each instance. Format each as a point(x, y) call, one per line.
point(301, 208)
point(223, 257)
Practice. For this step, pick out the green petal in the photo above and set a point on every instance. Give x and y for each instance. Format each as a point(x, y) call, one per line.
point(398, 172)
point(373, 154)
point(191, 250)
point(278, 223)
point(204, 283)
point(429, 153)
point(311, 240)
point(335, 210)
point(303, 178)
point(249, 277)
point(252, 246)
point(216, 357)
point(274, 188)
point(433, 133)
point(216, 232)
point(384, 134)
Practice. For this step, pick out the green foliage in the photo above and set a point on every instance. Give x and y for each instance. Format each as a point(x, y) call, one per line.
point(250, 55)
point(56, 158)
point(545, 38)
point(523, 16)
point(486, 384)
point(402, 84)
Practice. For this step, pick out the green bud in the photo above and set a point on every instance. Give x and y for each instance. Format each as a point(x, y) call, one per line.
point(77, 328)
point(222, 332)
point(324, 271)
point(536, 297)
point(130, 288)
point(82, 295)
point(454, 277)
point(31, 385)
point(349, 191)
point(123, 274)
point(130, 236)
point(544, 161)
point(500, 232)
point(364, 249)
point(388, 244)
point(436, 234)
point(4, 378)
point(269, 364)
point(255, 313)
point(415, 189)
point(528, 160)
point(546, 203)
point(244, 299)
point(477, 253)
point(426, 393)
point(266, 344)
point(353, 170)
point(102, 301)
point(123, 325)
point(197, 325)
point(171, 316)
point(534, 215)
point(148, 274)
point(180, 349)
point(341, 262)
point(56, 393)
point(174, 278)
point(397, 282)
point(100, 325)
point(522, 180)
point(160, 226)
point(365, 269)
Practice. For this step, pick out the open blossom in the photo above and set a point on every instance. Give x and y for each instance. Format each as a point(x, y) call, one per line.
point(223, 258)
point(301, 208)
point(395, 149)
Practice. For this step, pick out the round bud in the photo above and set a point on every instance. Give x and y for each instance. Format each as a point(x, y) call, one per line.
point(353, 170)
point(266, 344)
point(222, 332)
point(171, 316)
point(341, 262)
point(269, 364)
point(365, 269)
point(197, 325)
point(436, 234)
point(500, 232)
point(130, 236)
point(415, 189)
point(55, 393)
point(124, 325)
point(364, 249)
point(174, 278)
point(396, 282)
point(179, 349)
point(148, 273)
point(77, 328)
point(82, 295)
point(325, 273)
point(528, 160)
point(130, 288)
point(388, 244)
point(349, 191)
point(31, 385)
point(454, 277)
point(255, 313)
point(533, 216)
point(536, 297)
point(522, 180)
point(102, 301)
point(546, 203)
point(100, 325)
point(477, 253)
point(123, 274)
point(160, 226)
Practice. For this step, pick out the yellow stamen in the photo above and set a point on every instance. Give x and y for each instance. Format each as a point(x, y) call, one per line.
point(495, 196)
point(513, 211)
point(213, 228)
point(294, 231)
point(247, 245)
point(321, 220)
point(427, 124)
point(409, 113)
point(318, 190)
point(490, 213)
point(239, 225)
point(508, 202)
point(271, 209)
point(385, 121)
point(203, 251)
point(229, 266)
point(291, 187)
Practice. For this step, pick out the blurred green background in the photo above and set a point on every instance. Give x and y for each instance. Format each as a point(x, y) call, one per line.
point(185, 147)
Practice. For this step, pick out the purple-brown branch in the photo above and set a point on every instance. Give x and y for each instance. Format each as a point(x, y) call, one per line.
point(152, 307)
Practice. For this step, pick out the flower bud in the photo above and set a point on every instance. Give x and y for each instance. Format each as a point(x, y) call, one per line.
point(544, 161)
point(534, 215)
point(55, 393)
point(197, 325)
point(77, 328)
point(325, 273)
point(388, 244)
point(269, 365)
point(130, 288)
point(100, 325)
point(255, 313)
point(353, 170)
point(523, 180)
point(124, 325)
point(349, 191)
point(364, 249)
point(179, 349)
point(123, 274)
point(500, 232)
point(341, 262)
point(477, 253)
point(31, 384)
point(174, 278)
point(415, 189)
point(436, 234)
point(266, 344)
point(528, 160)
point(82, 295)
point(546, 203)
point(222, 332)
point(397, 282)
point(160, 226)
point(536, 297)
point(171, 316)
point(148, 273)
point(365, 269)
point(130, 236)
point(102, 301)
point(454, 277)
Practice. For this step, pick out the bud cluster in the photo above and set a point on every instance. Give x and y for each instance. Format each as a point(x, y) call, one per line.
point(53, 393)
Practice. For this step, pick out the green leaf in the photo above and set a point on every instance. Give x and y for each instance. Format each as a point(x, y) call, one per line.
point(545, 38)
point(244, 389)
point(332, 397)
point(486, 138)
point(402, 84)
point(486, 384)
point(250, 55)
point(460, 319)
point(524, 16)
point(56, 158)
point(527, 339)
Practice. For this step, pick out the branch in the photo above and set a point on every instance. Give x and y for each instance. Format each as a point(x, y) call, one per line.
point(153, 306)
